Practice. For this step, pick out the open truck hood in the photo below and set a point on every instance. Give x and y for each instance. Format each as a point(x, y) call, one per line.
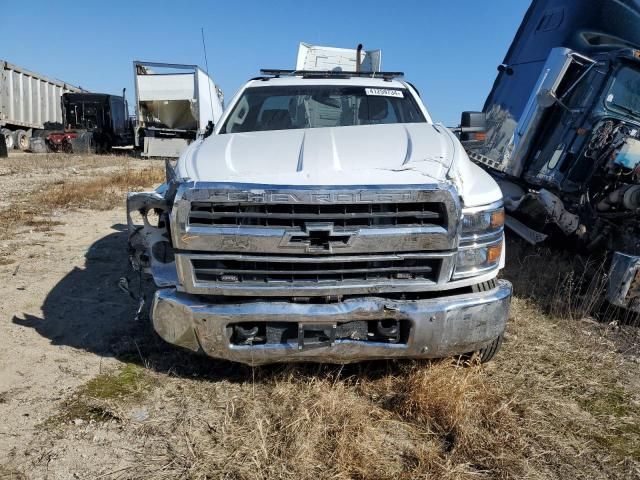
point(358, 155)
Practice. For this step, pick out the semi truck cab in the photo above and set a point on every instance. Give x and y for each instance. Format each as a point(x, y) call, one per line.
point(92, 122)
point(563, 133)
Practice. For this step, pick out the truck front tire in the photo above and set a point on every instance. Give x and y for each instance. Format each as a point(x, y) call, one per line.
point(487, 353)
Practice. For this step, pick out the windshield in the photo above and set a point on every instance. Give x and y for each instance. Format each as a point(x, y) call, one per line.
point(624, 93)
point(314, 106)
point(84, 115)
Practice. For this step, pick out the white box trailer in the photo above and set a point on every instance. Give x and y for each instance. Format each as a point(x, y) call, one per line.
point(320, 58)
point(28, 101)
point(174, 105)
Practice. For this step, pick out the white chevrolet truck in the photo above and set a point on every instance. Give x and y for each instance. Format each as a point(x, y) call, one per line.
point(326, 218)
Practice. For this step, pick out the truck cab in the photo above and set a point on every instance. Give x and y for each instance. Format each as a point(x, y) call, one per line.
point(327, 218)
point(92, 122)
point(563, 136)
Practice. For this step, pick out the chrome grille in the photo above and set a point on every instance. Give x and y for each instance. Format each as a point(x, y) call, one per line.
point(235, 239)
point(296, 215)
point(268, 269)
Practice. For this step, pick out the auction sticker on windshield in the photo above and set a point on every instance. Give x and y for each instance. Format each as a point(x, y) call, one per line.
point(383, 92)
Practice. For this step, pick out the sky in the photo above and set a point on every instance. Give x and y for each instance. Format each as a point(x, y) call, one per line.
point(449, 49)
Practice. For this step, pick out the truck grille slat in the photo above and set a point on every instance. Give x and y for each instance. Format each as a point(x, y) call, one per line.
point(296, 215)
point(297, 270)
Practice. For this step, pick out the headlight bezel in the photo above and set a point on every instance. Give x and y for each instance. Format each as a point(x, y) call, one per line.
point(481, 222)
point(482, 237)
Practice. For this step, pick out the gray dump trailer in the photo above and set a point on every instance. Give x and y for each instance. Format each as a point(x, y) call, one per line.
point(28, 102)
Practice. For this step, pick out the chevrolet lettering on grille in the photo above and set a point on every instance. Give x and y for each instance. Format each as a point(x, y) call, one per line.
point(313, 197)
point(318, 238)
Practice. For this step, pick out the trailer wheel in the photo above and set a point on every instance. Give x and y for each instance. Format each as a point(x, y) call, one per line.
point(8, 138)
point(21, 140)
point(3, 148)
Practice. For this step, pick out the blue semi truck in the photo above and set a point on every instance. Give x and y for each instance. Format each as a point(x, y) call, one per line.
point(563, 133)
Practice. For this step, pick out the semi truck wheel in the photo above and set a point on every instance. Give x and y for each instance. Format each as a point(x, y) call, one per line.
point(8, 138)
point(3, 148)
point(21, 140)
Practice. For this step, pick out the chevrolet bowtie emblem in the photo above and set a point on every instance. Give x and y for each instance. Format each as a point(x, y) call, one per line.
point(319, 238)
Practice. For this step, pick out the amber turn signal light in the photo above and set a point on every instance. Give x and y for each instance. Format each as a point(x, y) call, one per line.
point(494, 252)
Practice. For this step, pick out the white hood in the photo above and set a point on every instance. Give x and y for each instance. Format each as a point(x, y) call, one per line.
point(392, 154)
point(372, 154)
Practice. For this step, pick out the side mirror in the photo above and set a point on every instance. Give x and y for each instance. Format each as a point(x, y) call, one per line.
point(473, 128)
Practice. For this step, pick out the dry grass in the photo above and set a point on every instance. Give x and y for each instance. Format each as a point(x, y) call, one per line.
point(9, 474)
point(95, 182)
point(560, 401)
point(535, 413)
point(54, 162)
point(100, 191)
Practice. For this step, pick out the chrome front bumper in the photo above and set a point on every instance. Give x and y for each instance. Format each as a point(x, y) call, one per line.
point(440, 327)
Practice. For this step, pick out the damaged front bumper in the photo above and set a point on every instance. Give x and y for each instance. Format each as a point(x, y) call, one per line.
point(426, 328)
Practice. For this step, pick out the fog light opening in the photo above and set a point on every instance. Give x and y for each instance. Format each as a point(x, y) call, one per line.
point(388, 330)
point(248, 334)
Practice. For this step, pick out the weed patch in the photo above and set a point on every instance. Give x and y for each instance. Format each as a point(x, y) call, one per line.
point(102, 398)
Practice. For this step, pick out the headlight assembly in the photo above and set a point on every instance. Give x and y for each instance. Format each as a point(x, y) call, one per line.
point(482, 240)
point(482, 222)
point(475, 260)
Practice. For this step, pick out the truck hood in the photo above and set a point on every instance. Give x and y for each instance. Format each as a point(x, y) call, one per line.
point(416, 153)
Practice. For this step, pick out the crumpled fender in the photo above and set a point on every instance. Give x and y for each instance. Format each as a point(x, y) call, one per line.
point(150, 245)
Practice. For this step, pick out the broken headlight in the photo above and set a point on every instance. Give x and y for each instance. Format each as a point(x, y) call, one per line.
point(481, 242)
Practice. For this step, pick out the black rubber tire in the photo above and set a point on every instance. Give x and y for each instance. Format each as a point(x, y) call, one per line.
point(21, 140)
point(3, 148)
point(8, 138)
point(487, 353)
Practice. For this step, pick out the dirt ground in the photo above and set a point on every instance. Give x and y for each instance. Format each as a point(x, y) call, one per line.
point(88, 391)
